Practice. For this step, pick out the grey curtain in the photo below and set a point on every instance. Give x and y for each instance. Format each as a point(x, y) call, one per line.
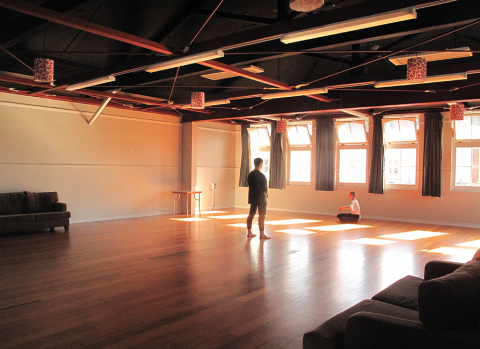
point(377, 163)
point(325, 155)
point(432, 155)
point(276, 159)
point(244, 165)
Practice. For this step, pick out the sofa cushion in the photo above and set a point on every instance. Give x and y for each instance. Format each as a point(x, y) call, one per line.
point(51, 216)
point(39, 202)
point(11, 203)
point(16, 218)
point(403, 292)
point(331, 334)
point(451, 301)
point(476, 256)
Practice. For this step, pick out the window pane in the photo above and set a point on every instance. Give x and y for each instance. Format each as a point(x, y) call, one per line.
point(467, 167)
point(351, 132)
point(463, 128)
point(392, 131)
point(259, 136)
point(344, 134)
point(300, 166)
point(401, 166)
point(353, 167)
point(407, 130)
point(476, 126)
point(298, 135)
point(265, 155)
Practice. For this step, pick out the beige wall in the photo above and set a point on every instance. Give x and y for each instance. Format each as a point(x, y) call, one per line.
point(216, 164)
point(452, 208)
point(123, 165)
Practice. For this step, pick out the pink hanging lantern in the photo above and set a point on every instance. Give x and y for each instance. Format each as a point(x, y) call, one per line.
point(43, 70)
point(281, 126)
point(306, 5)
point(198, 100)
point(416, 69)
point(456, 111)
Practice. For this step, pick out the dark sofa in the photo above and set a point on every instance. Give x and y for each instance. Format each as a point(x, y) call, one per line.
point(25, 210)
point(441, 311)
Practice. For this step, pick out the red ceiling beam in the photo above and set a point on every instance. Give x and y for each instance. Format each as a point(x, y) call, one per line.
point(69, 21)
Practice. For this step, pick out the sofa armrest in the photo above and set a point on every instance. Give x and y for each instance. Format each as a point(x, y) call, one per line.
point(367, 330)
point(59, 206)
point(436, 269)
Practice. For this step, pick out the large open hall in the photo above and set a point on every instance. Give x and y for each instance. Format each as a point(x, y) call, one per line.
point(173, 282)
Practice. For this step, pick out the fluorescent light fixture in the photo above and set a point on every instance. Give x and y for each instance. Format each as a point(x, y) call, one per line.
point(433, 56)
point(295, 93)
point(350, 25)
point(226, 75)
point(174, 63)
point(429, 80)
point(92, 82)
point(206, 104)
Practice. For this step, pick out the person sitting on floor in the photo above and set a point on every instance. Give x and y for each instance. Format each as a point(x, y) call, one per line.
point(354, 208)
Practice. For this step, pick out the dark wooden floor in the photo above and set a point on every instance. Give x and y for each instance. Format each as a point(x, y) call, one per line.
point(161, 283)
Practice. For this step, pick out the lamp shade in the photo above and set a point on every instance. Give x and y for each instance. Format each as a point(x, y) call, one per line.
point(43, 70)
point(416, 69)
point(456, 111)
point(198, 100)
point(281, 126)
point(306, 5)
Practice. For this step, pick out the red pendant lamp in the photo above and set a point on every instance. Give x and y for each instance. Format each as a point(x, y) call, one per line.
point(456, 111)
point(281, 126)
point(43, 70)
point(306, 5)
point(416, 69)
point(198, 100)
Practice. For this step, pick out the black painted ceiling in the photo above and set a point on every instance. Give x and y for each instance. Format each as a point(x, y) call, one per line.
point(248, 32)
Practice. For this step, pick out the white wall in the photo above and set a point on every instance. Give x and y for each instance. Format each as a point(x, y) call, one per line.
point(123, 165)
point(216, 147)
point(452, 208)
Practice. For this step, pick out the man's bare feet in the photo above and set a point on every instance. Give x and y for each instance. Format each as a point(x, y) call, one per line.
point(250, 234)
point(263, 236)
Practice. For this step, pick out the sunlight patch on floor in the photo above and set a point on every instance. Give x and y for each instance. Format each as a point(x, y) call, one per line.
point(238, 225)
point(339, 227)
point(232, 216)
point(474, 243)
point(413, 235)
point(454, 251)
point(295, 231)
point(189, 219)
point(213, 212)
point(290, 221)
point(370, 241)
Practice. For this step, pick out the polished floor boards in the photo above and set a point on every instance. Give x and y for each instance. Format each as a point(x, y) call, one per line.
point(155, 282)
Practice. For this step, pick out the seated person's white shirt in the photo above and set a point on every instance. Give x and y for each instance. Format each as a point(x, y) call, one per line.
point(355, 207)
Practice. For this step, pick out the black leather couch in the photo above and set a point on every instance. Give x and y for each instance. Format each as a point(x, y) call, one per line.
point(25, 210)
point(441, 311)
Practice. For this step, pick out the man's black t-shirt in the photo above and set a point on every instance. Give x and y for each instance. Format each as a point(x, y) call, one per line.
point(257, 188)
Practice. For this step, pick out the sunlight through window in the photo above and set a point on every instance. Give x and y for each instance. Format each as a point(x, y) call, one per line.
point(370, 241)
point(454, 251)
point(238, 225)
point(213, 212)
point(412, 235)
point(340, 227)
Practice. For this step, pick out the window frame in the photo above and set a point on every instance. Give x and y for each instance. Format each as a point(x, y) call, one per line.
point(462, 143)
point(352, 145)
point(402, 145)
point(300, 147)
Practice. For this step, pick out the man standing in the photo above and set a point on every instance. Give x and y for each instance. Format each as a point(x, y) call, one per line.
point(257, 198)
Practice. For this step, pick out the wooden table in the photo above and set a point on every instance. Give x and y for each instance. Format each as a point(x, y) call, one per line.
point(188, 193)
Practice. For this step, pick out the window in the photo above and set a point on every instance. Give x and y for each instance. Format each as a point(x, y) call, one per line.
point(300, 153)
point(260, 147)
point(352, 151)
point(401, 147)
point(466, 152)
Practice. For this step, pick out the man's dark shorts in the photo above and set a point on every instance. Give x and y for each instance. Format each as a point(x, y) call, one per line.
point(262, 209)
